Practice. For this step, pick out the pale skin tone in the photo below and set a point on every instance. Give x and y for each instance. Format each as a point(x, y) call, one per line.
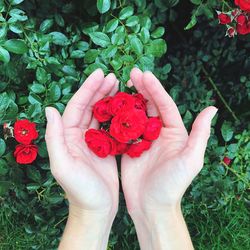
point(153, 184)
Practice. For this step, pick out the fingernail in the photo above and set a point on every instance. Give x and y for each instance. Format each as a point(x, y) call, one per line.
point(49, 114)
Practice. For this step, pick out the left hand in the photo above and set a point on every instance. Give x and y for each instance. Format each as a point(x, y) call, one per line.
point(91, 183)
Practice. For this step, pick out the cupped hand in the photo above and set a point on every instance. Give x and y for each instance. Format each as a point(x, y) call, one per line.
point(158, 179)
point(91, 183)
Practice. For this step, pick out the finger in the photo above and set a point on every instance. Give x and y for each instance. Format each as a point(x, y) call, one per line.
point(199, 135)
point(54, 138)
point(168, 110)
point(136, 76)
point(130, 84)
point(115, 89)
point(77, 105)
point(94, 123)
point(106, 87)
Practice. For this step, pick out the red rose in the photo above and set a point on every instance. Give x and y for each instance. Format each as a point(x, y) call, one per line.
point(243, 4)
point(128, 125)
point(121, 101)
point(140, 102)
point(120, 148)
point(153, 129)
point(136, 149)
point(224, 18)
point(99, 142)
point(243, 28)
point(25, 131)
point(25, 154)
point(241, 19)
point(226, 160)
point(231, 32)
point(101, 110)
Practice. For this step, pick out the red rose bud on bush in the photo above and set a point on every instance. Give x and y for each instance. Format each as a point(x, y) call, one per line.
point(128, 125)
point(224, 18)
point(25, 154)
point(101, 110)
point(227, 160)
point(25, 131)
point(137, 148)
point(153, 129)
point(99, 142)
point(243, 4)
point(231, 32)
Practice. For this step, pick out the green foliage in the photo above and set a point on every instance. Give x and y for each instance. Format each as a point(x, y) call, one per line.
point(48, 48)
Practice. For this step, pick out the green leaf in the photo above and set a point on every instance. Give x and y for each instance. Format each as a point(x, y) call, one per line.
point(16, 46)
point(33, 98)
point(132, 21)
point(77, 54)
point(159, 32)
point(17, 15)
point(227, 131)
point(15, 2)
point(157, 48)
point(4, 55)
point(59, 38)
point(41, 75)
point(103, 5)
point(144, 35)
point(37, 88)
point(2, 147)
point(54, 93)
point(126, 12)
point(91, 55)
point(197, 2)
point(46, 25)
point(82, 45)
point(100, 38)
point(192, 23)
point(136, 45)
point(16, 28)
point(111, 25)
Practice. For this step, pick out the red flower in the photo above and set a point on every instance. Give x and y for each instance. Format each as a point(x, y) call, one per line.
point(153, 129)
point(226, 160)
point(120, 148)
point(224, 18)
point(25, 131)
point(99, 142)
point(231, 32)
point(25, 154)
point(243, 4)
point(121, 101)
point(101, 110)
point(140, 102)
point(136, 149)
point(128, 125)
point(243, 25)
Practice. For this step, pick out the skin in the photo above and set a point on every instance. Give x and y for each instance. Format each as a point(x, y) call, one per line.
point(153, 184)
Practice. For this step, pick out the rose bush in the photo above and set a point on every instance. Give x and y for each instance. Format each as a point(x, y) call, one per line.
point(47, 49)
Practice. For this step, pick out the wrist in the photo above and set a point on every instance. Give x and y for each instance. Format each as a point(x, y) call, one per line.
point(161, 229)
point(87, 229)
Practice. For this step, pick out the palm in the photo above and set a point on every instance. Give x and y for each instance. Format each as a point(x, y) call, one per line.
point(160, 176)
point(89, 182)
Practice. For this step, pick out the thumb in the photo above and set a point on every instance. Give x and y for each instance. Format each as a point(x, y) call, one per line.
point(54, 136)
point(200, 133)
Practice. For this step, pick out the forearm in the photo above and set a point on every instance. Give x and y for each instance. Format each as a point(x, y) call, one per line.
point(162, 230)
point(86, 230)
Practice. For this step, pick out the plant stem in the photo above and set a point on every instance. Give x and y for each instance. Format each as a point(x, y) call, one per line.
point(219, 94)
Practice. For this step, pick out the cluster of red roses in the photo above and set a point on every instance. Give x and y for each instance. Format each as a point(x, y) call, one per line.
point(237, 20)
point(125, 127)
point(25, 132)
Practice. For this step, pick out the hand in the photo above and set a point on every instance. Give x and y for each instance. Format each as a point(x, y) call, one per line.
point(155, 182)
point(91, 183)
